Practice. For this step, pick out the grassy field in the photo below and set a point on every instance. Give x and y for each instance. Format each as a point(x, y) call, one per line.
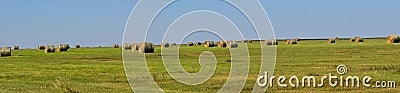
point(102, 70)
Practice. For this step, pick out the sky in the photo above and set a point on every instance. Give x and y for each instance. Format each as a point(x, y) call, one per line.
point(102, 22)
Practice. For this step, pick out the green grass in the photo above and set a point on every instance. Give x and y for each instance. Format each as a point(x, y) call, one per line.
point(101, 69)
point(80, 70)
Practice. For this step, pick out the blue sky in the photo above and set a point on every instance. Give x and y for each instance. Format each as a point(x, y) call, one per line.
point(102, 22)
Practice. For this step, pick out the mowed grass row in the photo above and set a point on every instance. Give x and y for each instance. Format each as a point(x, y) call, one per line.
point(101, 69)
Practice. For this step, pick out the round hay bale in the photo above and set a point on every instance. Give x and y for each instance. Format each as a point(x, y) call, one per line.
point(165, 45)
point(337, 38)
point(135, 46)
point(221, 44)
point(275, 42)
point(393, 39)
point(209, 44)
point(287, 42)
point(247, 41)
point(126, 46)
point(270, 42)
point(190, 44)
point(198, 43)
point(41, 47)
point(61, 48)
point(146, 47)
point(67, 46)
point(16, 47)
point(232, 44)
point(5, 51)
point(331, 41)
point(115, 46)
point(77, 46)
point(50, 49)
point(214, 43)
point(358, 39)
point(173, 44)
point(352, 40)
point(291, 42)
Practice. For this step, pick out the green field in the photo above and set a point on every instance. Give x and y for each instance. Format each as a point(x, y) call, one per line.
point(102, 70)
